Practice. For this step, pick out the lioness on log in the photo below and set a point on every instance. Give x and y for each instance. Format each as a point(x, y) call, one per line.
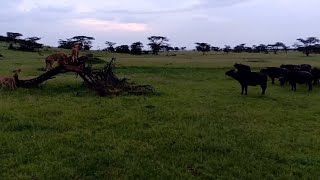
point(75, 52)
point(60, 57)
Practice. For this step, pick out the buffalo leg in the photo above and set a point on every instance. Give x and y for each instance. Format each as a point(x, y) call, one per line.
point(264, 88)
point(294, 86)
point(242, 89)
point(272, 80)
point(246, 89)
point(310, 86)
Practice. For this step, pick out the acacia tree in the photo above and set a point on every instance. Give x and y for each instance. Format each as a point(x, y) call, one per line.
point(12, 38)
point(284, 47)
point(136, 48)
point(86, 41)
point(277, 46)
point(203, 47)
point(227, 49)
point(308, 44)
point(274, 48)
point(239, 48)
point(110, 46)
point(123, 49)
point(167, 48)
point(65, 44)
point(30, 44)
point(183, 48)
point(261, 48)
point(156, 42)
point(216, 49)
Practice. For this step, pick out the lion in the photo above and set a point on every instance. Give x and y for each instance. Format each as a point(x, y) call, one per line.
point(10, 82)
point(75, 52)
point(60, 57)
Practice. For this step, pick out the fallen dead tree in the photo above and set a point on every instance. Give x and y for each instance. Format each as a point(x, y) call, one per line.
point(103, 81)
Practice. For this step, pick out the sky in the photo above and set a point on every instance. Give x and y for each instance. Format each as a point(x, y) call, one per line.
point(184, 22)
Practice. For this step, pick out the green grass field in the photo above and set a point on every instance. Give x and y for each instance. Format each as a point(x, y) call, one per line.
point(198, 126)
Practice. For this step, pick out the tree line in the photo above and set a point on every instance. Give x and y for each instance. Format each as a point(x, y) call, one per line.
point(159, 44)
point(23, 44)
point(306, 46)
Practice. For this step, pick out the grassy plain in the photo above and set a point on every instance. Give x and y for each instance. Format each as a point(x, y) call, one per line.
point(198, 126)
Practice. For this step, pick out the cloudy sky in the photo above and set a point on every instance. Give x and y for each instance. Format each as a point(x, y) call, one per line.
point(218, 22)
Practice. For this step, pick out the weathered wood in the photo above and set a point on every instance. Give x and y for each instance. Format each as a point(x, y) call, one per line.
point(103, 81)
point(35, 82)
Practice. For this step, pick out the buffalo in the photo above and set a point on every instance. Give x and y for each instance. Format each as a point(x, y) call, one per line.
point(301, 67)
point(242, 67)
point(275, 72)
point(316, 75)
point(246, 78)
point(305, 67)
point(291, 67)
point(300, 77)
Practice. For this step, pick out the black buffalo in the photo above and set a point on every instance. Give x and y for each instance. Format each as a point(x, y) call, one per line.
point(242, 67)
point(275, 72)
point(305, 67)
point(316, 75)
point(300, 77)
point(247, 78)
point(301, 67)
point(291, 67)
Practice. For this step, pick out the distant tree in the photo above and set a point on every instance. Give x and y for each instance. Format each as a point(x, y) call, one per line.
point(274, 48)
point(286, 48)
point(176, 48)
point(65, 44)
point(316, 49)
point(216, 49)
point(308, 44)
point(203, 47)
point(277, 47)
point(86, 41)
point(239, 48)
point(30, 44)
point(248, 49)
point(262, 48)
point(296, 45)
point(123, 49)
point(3, 38)
point(156, 42)
point(14, 35)
point(33, 39)
point(183, 48)
point(136, 48)
point(13, 38)
point(282, 47)
point(227, 49)
point(167, 48)
point(27, 44)
point(110, 46)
